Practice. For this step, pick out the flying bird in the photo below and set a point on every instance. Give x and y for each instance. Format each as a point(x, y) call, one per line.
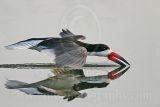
point(68, 50)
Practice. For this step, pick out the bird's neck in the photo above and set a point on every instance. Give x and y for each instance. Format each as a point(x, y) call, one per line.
point(92, 49)
point(89, 47)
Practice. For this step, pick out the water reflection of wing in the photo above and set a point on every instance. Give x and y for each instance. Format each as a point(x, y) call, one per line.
point(65, 71)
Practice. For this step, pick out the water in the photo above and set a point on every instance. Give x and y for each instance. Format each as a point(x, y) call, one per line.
point(92, 75)
point(66, 80)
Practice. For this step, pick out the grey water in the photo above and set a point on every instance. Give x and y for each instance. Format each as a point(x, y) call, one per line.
point(72, 80)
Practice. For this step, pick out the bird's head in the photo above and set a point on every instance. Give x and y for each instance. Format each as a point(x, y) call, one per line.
point(105, 51)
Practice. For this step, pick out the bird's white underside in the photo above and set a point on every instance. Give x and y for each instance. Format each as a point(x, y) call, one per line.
point(102, 53)
point(49, 52)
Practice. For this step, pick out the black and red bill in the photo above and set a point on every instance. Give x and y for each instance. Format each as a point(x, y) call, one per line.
point(117, 58)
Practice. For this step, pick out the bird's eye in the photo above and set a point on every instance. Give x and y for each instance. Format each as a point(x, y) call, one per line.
point(104, 48)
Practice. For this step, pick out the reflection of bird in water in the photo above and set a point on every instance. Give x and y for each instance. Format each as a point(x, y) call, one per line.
point(66, 83)
point(63, 84)
point(68, 50)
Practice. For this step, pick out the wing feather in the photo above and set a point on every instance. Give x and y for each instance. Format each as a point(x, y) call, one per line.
point(73, 58)
point(68, 34)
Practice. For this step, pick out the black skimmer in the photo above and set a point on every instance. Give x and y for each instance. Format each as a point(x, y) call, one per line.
point(67, 83)
point(68, 50)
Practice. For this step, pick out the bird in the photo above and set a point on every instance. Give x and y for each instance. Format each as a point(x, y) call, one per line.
point(69, 51)
point(66, 82)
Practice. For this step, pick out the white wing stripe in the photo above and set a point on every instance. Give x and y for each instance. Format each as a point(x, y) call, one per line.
point(24, 44)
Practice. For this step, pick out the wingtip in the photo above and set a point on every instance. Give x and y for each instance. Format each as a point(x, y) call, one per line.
point(66, 30)
point(8, 47)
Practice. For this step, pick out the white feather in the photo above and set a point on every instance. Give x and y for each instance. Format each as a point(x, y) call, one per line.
point(102, 53)
point(24, 44)
point(49, 52)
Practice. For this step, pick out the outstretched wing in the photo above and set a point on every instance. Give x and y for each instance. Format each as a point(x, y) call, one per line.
point(26, 44)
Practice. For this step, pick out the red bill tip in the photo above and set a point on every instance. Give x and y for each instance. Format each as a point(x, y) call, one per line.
point(113, 56)
point(117, 58)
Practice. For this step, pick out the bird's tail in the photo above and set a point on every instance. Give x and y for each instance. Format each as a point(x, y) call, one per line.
point(26, 44)
point(13, 84)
